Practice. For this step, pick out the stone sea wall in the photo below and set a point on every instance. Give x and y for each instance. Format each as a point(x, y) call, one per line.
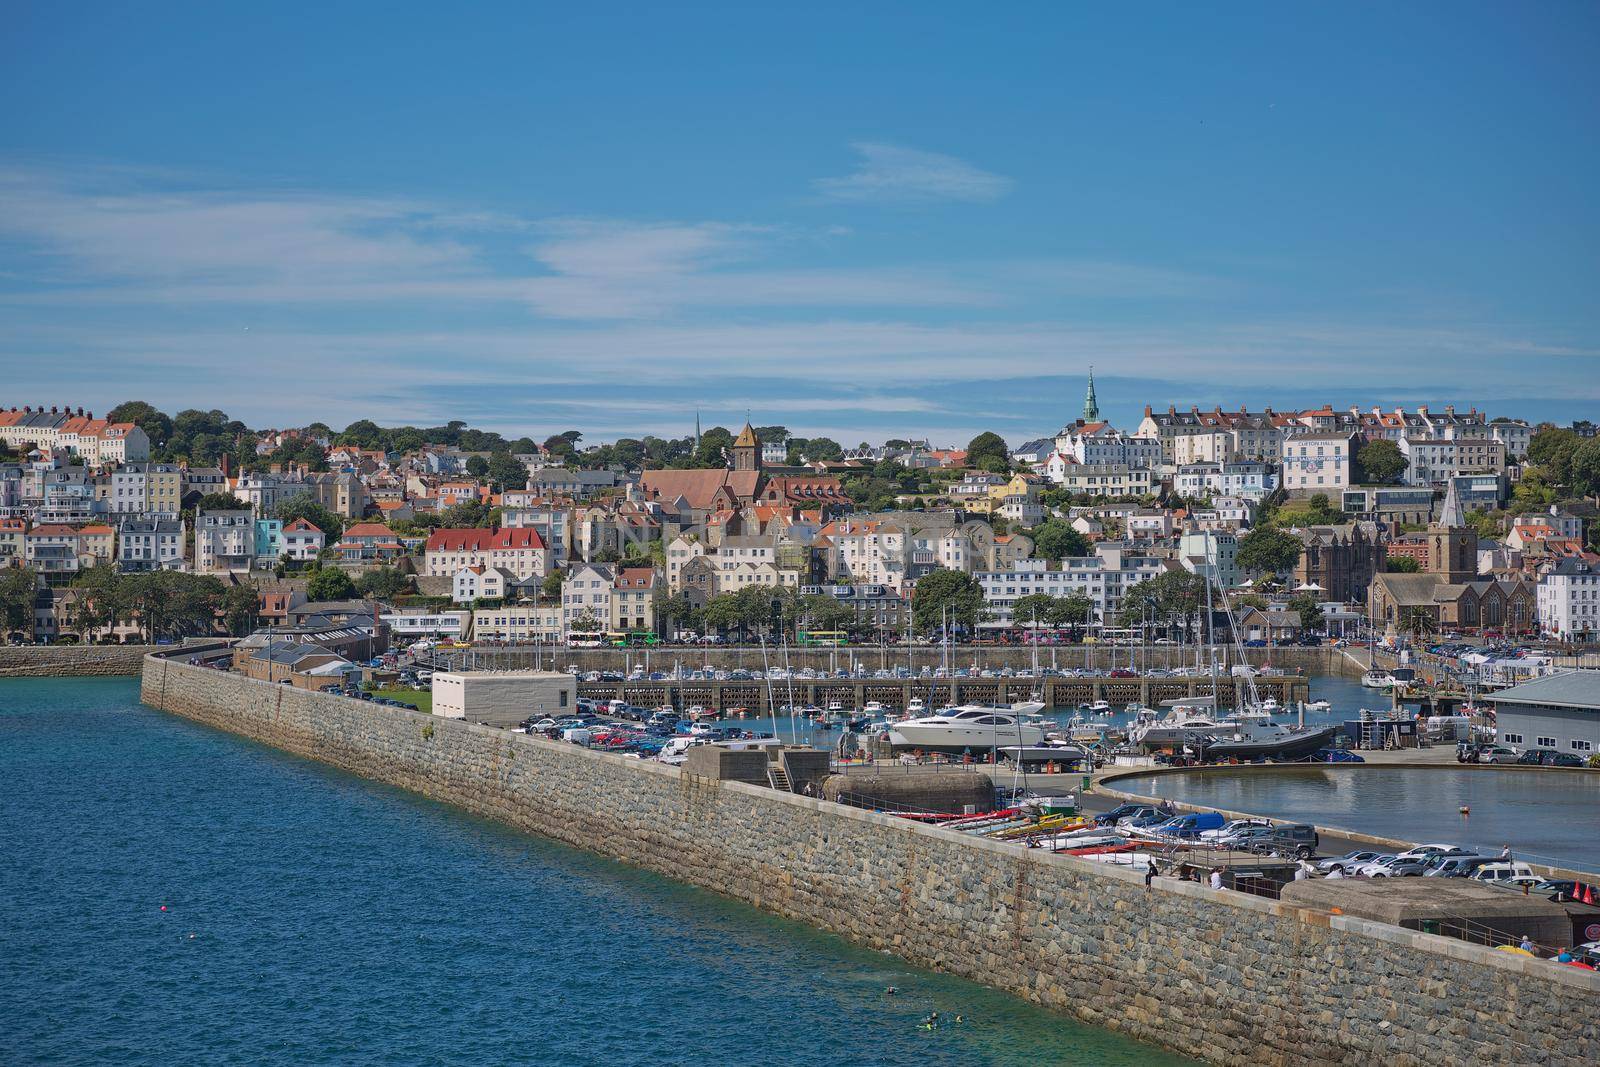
point(1223, 976)
point(71, 661)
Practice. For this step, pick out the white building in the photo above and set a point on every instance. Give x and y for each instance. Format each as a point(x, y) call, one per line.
point(224, 541)
point(1103, 578)
point(150, 545)
point(302, 540)
point(503, 698)
point(518, 623)
point(480, 583)
point(1102, 479)
point(587, 590)
point(1569, 600)
point(1319, 462)
point(1211, 554)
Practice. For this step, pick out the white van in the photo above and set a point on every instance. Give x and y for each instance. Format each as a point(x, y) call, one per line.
point(1507, 874)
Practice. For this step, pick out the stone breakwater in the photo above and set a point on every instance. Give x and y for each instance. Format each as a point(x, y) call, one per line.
point(71, 661)
point(1223, 976)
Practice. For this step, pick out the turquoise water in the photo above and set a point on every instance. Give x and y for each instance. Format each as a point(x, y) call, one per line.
point(1546, 816)
point(313, 917)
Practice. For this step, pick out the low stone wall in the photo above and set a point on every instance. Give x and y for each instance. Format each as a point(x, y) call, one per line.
point(1223, 976)
point(69, 661)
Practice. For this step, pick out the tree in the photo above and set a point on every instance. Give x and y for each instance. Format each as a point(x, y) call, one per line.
point(1381, 461)
point(1585, 468)
point(551, 585)
point(240, 605)
point(383, 583)
point(477, 466)
point(98, 601)
point(305, 507)
point(1307, 607)
point(676, 612)
point(19, 587)
point(988, 451)
point(587, 622)
point(1551, 449)
point(714, 444)
point(1175, 594)
point(1054, 539)
point(221, 502)
point(506, 471)
point(1401, 565)
point(155, 425)
point(330, 583)
point(721, 613)
point(1049, 611)
point(1268, 550)
point(942, 589)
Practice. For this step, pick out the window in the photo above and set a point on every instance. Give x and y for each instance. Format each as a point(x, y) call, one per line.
point(1580, 745)
point(1543, 742)
point(1513, 739)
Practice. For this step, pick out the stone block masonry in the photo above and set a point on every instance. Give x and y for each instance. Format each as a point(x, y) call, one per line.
point(1222, 976)
point(71, 661)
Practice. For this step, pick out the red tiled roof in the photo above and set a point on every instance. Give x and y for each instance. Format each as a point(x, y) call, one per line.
point(483, 540)
point(370, 529)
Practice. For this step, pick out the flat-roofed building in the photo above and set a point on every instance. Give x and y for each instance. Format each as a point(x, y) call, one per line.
point(503, 698)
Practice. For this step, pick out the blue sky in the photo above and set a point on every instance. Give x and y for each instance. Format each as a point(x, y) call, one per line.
point(860, 220)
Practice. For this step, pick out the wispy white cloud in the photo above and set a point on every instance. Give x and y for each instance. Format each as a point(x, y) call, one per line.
point(894, 173)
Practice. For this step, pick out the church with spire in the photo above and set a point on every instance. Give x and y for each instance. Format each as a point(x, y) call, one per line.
point(1450, 593)
point(744, 481)
point(1091, 405)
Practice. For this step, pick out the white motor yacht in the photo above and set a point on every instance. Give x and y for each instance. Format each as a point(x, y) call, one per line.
point(1027, 707)
point(1376, 679)
point(916, 706)
point(959, 729)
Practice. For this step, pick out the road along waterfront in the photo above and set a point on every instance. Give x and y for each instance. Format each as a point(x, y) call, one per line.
point(1222, 975)
point(178, 894)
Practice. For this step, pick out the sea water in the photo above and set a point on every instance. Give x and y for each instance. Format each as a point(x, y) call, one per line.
point(175, 894)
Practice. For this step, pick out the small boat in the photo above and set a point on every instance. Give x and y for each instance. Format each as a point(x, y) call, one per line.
point(1319, 705)
point(1376, 679)
point(1268, 741)
point(916, 706)
point(1027, 707)
point(875, 708)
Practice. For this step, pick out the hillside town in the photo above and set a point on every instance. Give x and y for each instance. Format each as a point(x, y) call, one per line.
point(1320, 523)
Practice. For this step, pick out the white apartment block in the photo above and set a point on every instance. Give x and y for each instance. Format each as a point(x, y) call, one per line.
point(1319, 462)
point(587, 589)
point(1103, 479)
point(518, 623)
point(1103, 577)
point(150, 545)
point(1568, 600)
point(1434, 461)
point(224, 541)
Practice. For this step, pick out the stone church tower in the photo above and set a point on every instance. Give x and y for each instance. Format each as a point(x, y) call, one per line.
point(1452, 544)
point(747, 450)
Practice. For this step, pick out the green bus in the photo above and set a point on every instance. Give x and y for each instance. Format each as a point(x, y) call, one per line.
point(822, 638)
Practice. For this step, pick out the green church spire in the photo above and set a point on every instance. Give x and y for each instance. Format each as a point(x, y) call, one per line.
point(1091, 407)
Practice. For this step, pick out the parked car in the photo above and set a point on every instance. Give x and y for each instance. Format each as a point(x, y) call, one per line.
point(1334, 755)
point(1123, 811)
point(1348, 862)
point(1497, 754)
point(1457, 866)
point(1296, 839)
point(1531, 758)
point(1231, 828)
point(1562, 759)
point(1398, 867)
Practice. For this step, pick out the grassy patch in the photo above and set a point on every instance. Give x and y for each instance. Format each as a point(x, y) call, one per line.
point(422, 701)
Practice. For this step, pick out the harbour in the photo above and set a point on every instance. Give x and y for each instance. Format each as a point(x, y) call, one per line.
point(183, 895)
point(1084, 936)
